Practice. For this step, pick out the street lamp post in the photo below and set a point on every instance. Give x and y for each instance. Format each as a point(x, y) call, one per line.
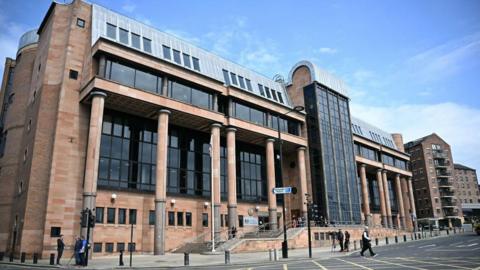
point(279, 140)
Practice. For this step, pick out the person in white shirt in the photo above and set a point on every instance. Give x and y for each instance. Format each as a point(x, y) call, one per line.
point(366, 243)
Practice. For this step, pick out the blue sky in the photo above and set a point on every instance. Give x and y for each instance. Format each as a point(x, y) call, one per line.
point(412, 66)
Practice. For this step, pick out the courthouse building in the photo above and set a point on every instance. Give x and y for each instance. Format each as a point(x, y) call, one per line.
point(100, 111)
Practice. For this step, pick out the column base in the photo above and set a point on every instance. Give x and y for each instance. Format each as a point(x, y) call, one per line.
point(159, 230)
point(216, 212)
point(390, 222)
point(384, 221)
point(368, 220)
point(272, 217)
point(232, 218)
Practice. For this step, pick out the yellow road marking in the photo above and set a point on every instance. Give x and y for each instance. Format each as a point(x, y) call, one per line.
point(357, 265)
point(285, 267)
point(396, 264)
point(427, 262)
point(319, 265)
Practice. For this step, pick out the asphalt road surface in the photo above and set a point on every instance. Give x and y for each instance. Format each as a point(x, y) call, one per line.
point(451, 252)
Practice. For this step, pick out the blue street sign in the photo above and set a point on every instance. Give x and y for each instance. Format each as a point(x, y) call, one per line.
point(282, 190)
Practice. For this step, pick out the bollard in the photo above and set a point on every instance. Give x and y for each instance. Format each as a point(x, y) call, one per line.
point(227, 256)
point(376, 241)
point(354, 244)
point(404, 238)
point(415, 236)
point(396, 239)
point(1, 255)
point(419, 236)
point(386, 240)
point(22, 257)
point(186, 259)
point(274, 254)
point(52, 258)
point(270, 254)
point(454, 230)
point(35, 258)
point(11, 256)
point(120, 262)
point(448, 231)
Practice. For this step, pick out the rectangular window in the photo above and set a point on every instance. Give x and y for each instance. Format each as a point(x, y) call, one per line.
point(146, 81)
point(55, 231)
point(196, 63)
point(267, 91)
point(136, 41)
point(179, 218)
point(111, 215)
point(233, 76)
point(97, 247)
point(186, 60)
point(73, 74)
point(249, 84)
point(280, 98)
point(274, 95)
point(122, 216)
point(131, 247)
point(171, 218)
point(147, 45)
point(242, 82)
point(151, 217)
point(166, 52)
point(260, 88)
point(123, 36)
point(80, 23)
point(99, 214)
point(225, 77)
point(111, 31)
point(240, 221)
point(109, 247)
point(132, 216)
point(122, 74)
point(120, 247)
point(188, 219)
point(176, 57)
point(205, 219)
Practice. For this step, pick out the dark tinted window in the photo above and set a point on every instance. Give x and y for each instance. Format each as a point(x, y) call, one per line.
point(201, 99)
point(99, 215)
point(179, 218)
point(280, 98)
point(147, 45)
point(260, 88)
point(190, 95)
point(123, 36)
point(188, 219)
point(111, 31)
point(80, 23)
point(176, 57)
point(97, 247)
point(135, 41)
point(132, 216)
point(196, 63)
point(186, 60)
point(225, 77)
point(111, 215)
point(240, 221)
point(151, 217)
point(146, 81)
point(55, 231)
point(171, 218)
point(120, 247)
point(166, 52)
point(109, 247)
point(122, 216)
point(233, 76)
point(122, 74)
point(242, 112)
point(274, 95)
point(249, 85)
point(267, 91)
point(242, 81)
point(204, 219)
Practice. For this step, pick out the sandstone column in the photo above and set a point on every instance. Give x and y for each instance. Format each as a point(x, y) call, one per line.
point(387, 199)
point(231, 177)
point(401, 210)
point(303, 179)
point(161, 185)
point(406, 204)
point(215, 152)
point(272, 200)
point(383, 209)
point(412, 204)
point(365, 196)
point(93, 152)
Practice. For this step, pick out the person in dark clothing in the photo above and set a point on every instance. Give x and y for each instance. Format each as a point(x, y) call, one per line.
point(234, 231)
point(366, 244)
point(60, 248)
point(347, 241)
point(340, 239)
point(77, 248)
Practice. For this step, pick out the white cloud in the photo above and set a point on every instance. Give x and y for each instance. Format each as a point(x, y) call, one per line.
point(457, 124)
point(10, 34)
point(129, 7)
point(326, 50)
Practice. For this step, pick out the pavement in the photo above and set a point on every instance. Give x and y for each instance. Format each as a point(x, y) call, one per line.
point(459, 251)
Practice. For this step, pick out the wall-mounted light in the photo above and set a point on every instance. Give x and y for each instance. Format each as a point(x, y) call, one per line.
point(257, 208)
point(113, 198)
point(205, 204)
point(172, 202)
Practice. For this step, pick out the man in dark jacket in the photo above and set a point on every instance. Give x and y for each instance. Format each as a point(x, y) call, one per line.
point(340, 239)
point(60, 248)
point(366, 243)
point(78, 247)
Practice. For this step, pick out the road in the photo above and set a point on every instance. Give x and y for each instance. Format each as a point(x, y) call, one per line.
point(461, 251)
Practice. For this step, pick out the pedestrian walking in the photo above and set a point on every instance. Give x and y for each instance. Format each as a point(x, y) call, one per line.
point(82, 251)
point(366, 243)
point(60, 248)
point(234, 232)
point(347, 241)
point(340, 238)
point(76, 250)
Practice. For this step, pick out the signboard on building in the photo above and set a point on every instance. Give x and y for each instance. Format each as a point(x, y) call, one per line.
point(282, 190)
point(250, 221)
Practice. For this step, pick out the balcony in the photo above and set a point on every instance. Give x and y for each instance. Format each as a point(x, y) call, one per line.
point(448, 203)
point(449, 212)
point(441, 164)
point(443, 173)
point(445, 183)
point(447, 194)
point(439, 155)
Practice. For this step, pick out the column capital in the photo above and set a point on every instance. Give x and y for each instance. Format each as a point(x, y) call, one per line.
point(231, 129)
point(384, 171)
point(363, 165)
point(397, 175)
point(270, 140)
point(164, 111)
point(214, 125)
point(98, 94)
point(301, 148)
point(379, 170)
